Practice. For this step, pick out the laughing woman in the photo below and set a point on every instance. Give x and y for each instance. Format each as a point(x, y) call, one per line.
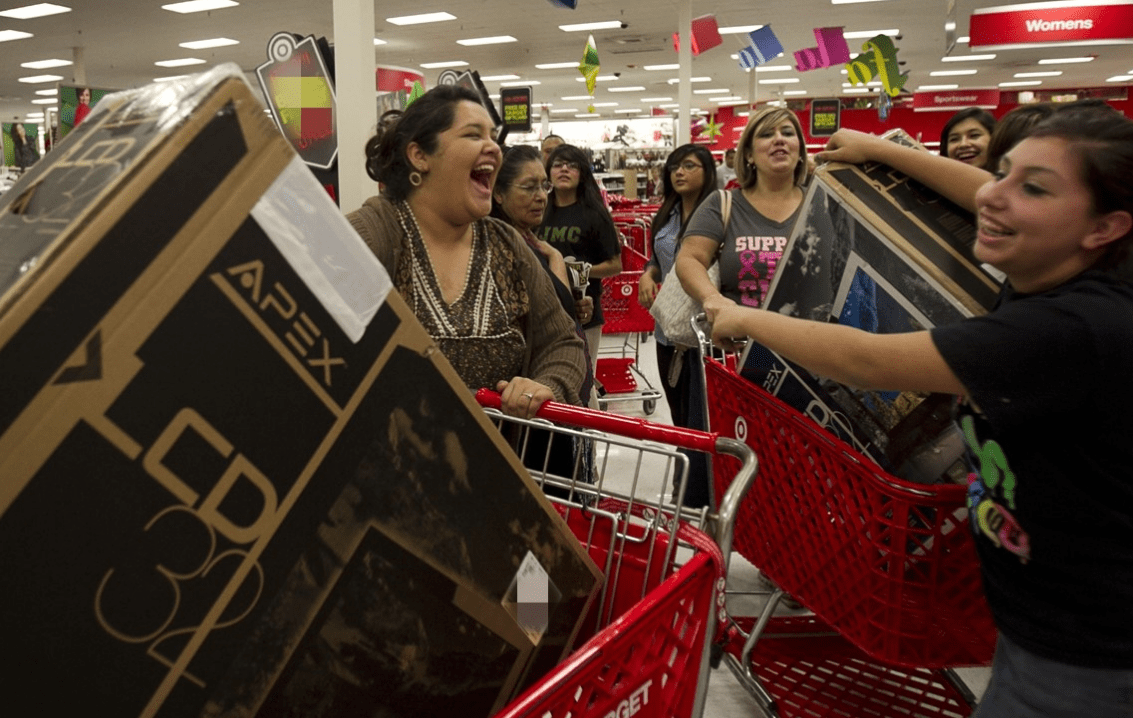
point(471, 280)
point(1050, 491)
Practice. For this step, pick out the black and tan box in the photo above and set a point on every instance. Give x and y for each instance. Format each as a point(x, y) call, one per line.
point(236, 478)
point(877, 250)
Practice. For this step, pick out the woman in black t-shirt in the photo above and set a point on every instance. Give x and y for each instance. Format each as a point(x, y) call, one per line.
point(578, 224)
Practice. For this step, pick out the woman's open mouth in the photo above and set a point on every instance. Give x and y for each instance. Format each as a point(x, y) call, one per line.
point(482, 175)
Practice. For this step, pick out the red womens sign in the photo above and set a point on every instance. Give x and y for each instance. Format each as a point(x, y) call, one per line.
point(1045, 23)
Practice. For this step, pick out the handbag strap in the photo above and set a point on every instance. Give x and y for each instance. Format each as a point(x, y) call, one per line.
point(725, 207)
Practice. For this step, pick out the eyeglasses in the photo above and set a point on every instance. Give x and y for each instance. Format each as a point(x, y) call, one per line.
point(565, 165)
point(687, 166)
point(533, 189)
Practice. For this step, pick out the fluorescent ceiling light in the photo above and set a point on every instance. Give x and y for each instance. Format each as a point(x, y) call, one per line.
point(600, 78)
point(582, 27)
point(780, 81)
point(496, 78)
point(849, 2)
point(1065, 60)
point(967, 58)
point(857, 91)
point(206, 44)
point(199, 5)
point(603, 104)
point(656, 99)
point(675, 80)
point(519, 83)
point(627, 112)
point(556, 65)
point(962, 40)
point(6, 35)
point(715, 91)
point(726, 98)
point(173, 78)
point(493, 97)
point(495, 40)
point(588, 114)
point(438, 65)
point(45, 101)
point(1022, 83)
point(34, 115)
point(182, 62)
point(929, 88)
point(737, 29)
point(670, 106)
point(635, 88)
point(45, 64)
point(673, 66)
point(1120, 78)
point(419, 19)
point(733, 103)
point(30, 11)
point(51, 91)
point(565, 109)
point(794, 92)
point(574, 98)
point(379, 41)
point(1052, 73)
point(867, 34)
point(951, 73)
point(773, 68)
point(36, 79)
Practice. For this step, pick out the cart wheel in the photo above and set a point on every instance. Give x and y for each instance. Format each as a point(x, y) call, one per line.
point(650, 405)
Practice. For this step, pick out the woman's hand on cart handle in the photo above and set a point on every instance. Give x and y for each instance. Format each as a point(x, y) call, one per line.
point(522, 397)
point(630, 426)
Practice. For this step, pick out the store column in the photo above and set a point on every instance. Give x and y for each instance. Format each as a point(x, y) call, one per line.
point(684, 88)
point(357, 112)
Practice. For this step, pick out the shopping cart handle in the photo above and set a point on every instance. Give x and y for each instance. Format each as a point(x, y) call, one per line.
point(630, 426)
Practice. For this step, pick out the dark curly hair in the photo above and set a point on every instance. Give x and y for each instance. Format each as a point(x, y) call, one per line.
point(421, 122)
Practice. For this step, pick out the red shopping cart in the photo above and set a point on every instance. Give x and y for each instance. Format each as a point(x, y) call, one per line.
point(887, 567)
point(620, 374)
point(661, 606)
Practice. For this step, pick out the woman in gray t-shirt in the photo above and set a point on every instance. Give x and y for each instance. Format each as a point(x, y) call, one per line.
point(771, 168)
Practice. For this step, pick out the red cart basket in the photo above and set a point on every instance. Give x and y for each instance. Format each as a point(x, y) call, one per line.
point(888, 568)
point(626, 317)
point(661, 606)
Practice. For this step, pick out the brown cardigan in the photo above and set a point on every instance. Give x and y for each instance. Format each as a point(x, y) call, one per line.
point(555, 355)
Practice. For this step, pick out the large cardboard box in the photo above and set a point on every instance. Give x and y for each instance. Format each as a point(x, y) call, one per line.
point(877, 250)
point(237, 478)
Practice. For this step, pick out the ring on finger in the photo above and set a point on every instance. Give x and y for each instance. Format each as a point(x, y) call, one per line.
point(528, 394)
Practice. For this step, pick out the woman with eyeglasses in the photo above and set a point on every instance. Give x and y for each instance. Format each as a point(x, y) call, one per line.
point(578, 224)
point(689, 177)
point(470, 279)
point(520, 198)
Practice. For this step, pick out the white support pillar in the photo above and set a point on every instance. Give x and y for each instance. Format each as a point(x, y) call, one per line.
point(356, 114)
point(78, 66)
point(684, 57)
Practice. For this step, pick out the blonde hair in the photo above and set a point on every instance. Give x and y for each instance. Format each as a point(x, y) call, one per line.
point(766, 118)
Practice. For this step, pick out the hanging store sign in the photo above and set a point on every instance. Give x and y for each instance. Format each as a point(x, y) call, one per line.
point(825, 117)
point(515, 107)
point(955, 100)
point(1051, 23)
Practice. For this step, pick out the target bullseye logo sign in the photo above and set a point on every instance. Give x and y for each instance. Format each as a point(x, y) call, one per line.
point(627, 290)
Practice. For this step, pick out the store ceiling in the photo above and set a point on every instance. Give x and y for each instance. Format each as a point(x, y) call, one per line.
point(120, 41)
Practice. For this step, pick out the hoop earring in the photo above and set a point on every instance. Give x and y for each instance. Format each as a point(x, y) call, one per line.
point(415, 178)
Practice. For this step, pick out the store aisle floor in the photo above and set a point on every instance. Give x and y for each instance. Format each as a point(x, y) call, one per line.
point(726, 697)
